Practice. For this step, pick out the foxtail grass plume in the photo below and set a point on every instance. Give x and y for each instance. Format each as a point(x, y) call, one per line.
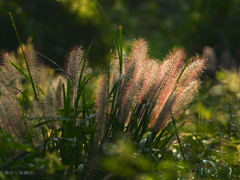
point(12, 115)
point(148, 79)
point(73, 67)
point(102, 105)
point(130, 89)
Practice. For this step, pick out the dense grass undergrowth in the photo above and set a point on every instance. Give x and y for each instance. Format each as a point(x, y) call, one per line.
point(136, 126)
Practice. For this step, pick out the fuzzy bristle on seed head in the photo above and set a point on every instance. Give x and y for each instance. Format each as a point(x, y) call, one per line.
point(166, 78)
point(10, 116)
point(194, 70)
point(138, 51)
point(35, 66)
point(9, 76)
point(58, 90)
point(174, 97)
point(150, 68)
point(133, 67)
point(145, 79)
point(74, 65)
point(136, 59)
point(5, 59)
point(101, 103)
point(130, 92)
point(74, 62)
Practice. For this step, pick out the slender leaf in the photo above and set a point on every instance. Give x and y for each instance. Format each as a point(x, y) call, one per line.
point(30, 76)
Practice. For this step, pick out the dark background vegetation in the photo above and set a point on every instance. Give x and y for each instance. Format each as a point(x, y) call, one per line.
point(56, 26)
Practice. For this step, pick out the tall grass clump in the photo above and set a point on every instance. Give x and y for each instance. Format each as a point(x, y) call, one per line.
point(121, 133)
point(147, 96)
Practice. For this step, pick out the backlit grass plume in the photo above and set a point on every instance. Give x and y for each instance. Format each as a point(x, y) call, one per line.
point(133, 99)
point(14, 84)
point(144, 97)
point(73, 66)
point(145, 79)
point(102, 103)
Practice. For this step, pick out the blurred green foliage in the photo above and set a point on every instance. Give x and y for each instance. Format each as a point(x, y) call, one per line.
point(218, 156)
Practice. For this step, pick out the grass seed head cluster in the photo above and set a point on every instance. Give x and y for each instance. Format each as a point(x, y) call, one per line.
point(139, 98)
point(146, 80)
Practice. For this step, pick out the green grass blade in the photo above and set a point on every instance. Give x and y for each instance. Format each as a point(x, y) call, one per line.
point(196, 138)
point(84, 59)
point(157, 139)
point(132, 125)
point(31, 80)
point(179, 142)
point(80, 84)
point(65, 124)
point(61, 113)
point(110, 27)
point(164, 145)
point(25, 75)
point(80, 94)
point(19, 70)
point(64, 99)
point(52, 117)
point(143, 124)
point(60, 69)
point(165, 141)
point(68, 109)
point(80, 124)
point(199, 122)
point(149, 140)
point(115, 93)
point(49, 60)
point(120, 49)
point(183, 69)
point(200, 109)
point(43, 123)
